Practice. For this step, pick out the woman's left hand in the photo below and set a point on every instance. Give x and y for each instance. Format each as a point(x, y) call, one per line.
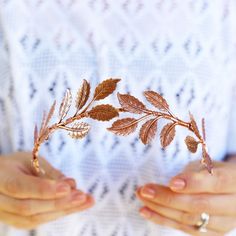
point(191, 193)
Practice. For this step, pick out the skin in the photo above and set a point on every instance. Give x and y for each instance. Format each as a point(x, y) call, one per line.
point(28, 199)
point(190, 193)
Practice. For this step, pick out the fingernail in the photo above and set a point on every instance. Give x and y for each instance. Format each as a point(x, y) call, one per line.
point(138, 189)
point(144, 212)
point(62, 189)
point(148, 192)
point(71, 182)
point(62, 177)
point(78, 198)
point(177, 184)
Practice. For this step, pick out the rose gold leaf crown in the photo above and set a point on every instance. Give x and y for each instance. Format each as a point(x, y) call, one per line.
point(125, 126)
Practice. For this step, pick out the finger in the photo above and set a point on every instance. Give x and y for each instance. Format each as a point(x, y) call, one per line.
point(28, 207)
point(30, 222)
point(43, 218)
point(161, 220)
point(27, 186)
point(50, 171)
point(55, 174)
point(221, 204)
point(216, 223)
point(223, 180)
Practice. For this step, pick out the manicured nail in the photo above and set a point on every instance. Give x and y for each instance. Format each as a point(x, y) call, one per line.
point(71, 182)
point(144, 212)
point(138, 190)
point(78, 198)
point(177, 184)
point(148, 192)
point(62, 177)
point(62, 189)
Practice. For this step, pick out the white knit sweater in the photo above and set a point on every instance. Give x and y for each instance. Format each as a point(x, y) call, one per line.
point(184, 49)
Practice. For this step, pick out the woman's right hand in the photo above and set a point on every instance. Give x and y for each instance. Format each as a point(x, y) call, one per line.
point(28, 200)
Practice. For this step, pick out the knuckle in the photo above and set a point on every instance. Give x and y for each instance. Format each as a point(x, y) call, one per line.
point(12, 186)
point(200, 204)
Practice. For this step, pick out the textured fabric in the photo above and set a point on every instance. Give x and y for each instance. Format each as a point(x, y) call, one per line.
point(183, 49)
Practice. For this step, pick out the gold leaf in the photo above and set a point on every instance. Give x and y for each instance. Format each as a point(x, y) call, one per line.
point(131, 104)
point(46, 119)
point(45, 134)
point(82, 95)
point(194, 126)
point(167, 134)
point(43, 122)
point(50, 113)
point(148, 131)
point(156, 100)
point(35, 134)
point(79, 130)
point(105, 88)
point(65, 104)
point(103, 112)
point(206, 160)
point(124, 126)
point(203, 129)
point(191, 143)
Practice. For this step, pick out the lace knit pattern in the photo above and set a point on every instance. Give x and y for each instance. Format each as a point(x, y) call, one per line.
point(183, 49)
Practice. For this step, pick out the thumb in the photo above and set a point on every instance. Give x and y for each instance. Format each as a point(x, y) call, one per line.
point(195, 180)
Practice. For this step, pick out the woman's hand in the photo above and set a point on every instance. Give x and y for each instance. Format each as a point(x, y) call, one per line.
point(191, 193)
point(28, 200)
